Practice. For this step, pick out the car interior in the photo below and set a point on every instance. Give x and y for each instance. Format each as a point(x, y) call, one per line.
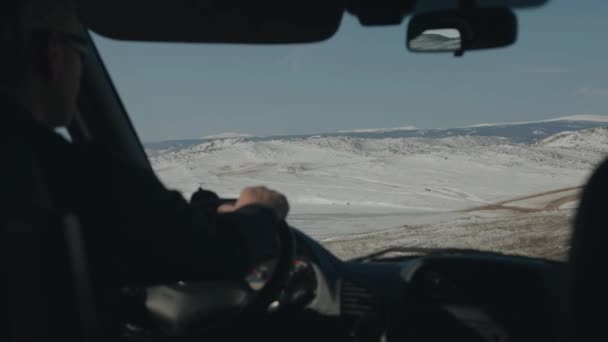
point(307, 293)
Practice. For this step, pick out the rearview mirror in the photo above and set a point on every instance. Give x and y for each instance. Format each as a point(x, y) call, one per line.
point(462, 30)
point(437, 40)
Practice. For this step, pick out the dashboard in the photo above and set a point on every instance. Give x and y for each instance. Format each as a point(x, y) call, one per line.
point(457, 296)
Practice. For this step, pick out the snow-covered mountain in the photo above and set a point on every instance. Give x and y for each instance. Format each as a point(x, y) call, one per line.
point(227, 135)
point(380, 130)
point(600, 119)
point(523, 132)
point(591, 139)
point(387, 171)
point(360, 182)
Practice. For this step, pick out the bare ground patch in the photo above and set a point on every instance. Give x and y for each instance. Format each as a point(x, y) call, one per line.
point(543, 234)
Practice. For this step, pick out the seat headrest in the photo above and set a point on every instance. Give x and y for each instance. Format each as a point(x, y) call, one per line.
point(589, 259)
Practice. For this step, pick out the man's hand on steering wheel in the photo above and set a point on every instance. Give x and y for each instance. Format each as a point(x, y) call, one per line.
point(262, 196)
point(188, 308)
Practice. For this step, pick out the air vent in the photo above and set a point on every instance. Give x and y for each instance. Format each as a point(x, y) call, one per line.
point(356, 300)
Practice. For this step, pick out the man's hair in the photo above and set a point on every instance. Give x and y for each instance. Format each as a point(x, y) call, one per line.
point(18, 18)
point(11, 37)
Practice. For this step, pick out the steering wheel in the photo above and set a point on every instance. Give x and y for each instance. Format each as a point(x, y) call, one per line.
point(280, 276)
point(183, 309)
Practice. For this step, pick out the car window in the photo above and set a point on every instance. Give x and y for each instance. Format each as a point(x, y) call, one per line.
point(64, 133)
point(375, 146)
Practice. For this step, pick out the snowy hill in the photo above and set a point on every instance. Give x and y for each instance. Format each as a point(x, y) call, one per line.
point(345, 184)
point(600, 119)
point(227, 135)
point(526, 132)
point(591, 139)
point(379, 130)
point(410, 173)
point(583, 117)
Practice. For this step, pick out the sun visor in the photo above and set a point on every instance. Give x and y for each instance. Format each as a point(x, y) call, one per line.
point(214, 21)
point(432, 5)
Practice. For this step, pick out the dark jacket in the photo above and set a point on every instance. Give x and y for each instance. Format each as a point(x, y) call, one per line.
point(136, 229)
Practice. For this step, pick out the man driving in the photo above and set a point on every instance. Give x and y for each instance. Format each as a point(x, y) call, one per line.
point(132, 223)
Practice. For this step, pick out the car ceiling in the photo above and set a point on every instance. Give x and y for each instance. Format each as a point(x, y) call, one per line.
point(252, 22)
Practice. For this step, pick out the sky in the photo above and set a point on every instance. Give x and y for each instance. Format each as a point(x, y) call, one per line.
point(365, 78)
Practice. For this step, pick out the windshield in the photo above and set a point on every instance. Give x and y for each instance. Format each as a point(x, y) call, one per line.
point(375, 146)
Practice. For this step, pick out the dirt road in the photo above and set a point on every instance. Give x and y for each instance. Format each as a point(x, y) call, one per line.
point(532, 225)
point(554, 200)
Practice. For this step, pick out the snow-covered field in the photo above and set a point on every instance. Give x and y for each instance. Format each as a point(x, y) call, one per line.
point(358, 195)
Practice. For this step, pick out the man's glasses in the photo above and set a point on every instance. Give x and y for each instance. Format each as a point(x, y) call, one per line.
point(77, 42)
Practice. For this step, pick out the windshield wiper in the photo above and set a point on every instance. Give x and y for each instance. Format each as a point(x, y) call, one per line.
point(414, 251)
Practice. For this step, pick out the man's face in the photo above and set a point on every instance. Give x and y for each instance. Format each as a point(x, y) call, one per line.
point(65, 57)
